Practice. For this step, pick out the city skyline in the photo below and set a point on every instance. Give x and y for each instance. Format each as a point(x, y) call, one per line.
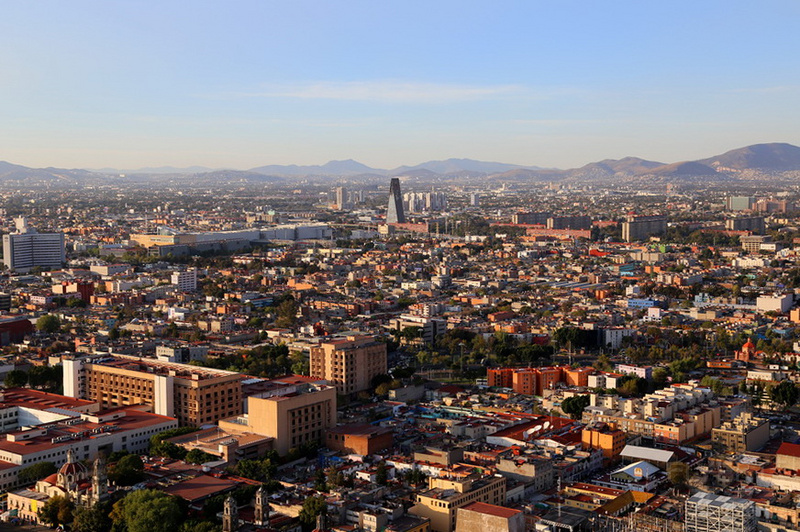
point(523, 83)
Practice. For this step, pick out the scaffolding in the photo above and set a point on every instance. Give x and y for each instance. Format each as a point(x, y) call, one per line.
point(706, 512)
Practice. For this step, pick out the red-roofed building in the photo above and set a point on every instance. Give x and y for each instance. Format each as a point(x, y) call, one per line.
point(788, 457)
point(481, 517)
point(200, 488)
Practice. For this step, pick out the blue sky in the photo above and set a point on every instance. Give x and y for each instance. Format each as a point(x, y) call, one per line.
point(247, 83)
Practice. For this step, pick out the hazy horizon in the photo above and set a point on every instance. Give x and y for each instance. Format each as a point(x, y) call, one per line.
point(127, 85)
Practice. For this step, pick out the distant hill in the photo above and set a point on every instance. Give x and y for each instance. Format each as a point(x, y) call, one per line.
point(682, 169)
point(773, 156)
point(610, 167)
point(155, 170)
point(456, 166)
point(347, 167)
point(14, 173)
point(526, 174)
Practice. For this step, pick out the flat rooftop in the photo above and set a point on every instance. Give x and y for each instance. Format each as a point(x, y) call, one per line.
point(152, 366)
point(77, 430)
point(25, 397)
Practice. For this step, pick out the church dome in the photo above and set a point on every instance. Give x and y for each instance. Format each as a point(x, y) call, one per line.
point(76, 469)
point(749, 345)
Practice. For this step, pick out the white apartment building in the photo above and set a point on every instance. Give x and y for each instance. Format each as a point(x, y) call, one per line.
point(26, 249)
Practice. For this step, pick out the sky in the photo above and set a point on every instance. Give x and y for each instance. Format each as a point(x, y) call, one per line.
point(240, 84)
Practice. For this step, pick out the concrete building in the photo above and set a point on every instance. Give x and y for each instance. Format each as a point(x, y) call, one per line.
point(753, 243)
point(740, 203)
point(293, 414)
point(706, 512)
point(775, 303)
point(349, 363)
point(535, 471)
point(395, 213)
point(643, 372)
point(480, 517)
point(745, 433)
point(754, 224)
point(26, 249)
point(361, 439)
point(440, 503)
point(182, 354)
point(185, 281)
point(569, 222)
point(530, 218)
point(194, 395)
point(341, 198)
point(637, 228)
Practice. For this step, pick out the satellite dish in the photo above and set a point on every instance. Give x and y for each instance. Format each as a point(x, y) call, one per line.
point(537, 428)
point(546, 425)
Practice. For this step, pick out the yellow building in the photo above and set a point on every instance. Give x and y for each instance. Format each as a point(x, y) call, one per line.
point(349, 363)
point(293, 415)
point(440, 503)
point(745, 433)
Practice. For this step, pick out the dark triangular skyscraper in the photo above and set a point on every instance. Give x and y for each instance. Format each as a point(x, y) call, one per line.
point(395, 215)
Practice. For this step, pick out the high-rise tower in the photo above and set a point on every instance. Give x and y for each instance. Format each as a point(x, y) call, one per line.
point(395, 215)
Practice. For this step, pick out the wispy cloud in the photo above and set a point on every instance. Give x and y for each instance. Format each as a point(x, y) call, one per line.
point(384, 91)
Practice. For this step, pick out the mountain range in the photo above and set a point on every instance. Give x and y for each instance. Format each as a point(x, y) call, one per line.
point(767, 158)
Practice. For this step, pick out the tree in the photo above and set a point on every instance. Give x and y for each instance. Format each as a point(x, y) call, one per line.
point(312, 507)
point(416, 477)
point(785, 394)
point(260, 470)
point(196, 456)
point(603, 363)
point(37, 472)
point(57, 511)
point(159, 447)
point(147, 511)
point(320, 482)
point(92, 519)
point(381, 474)
point(199, 526)
point(127, 471)
point(287, 313)
point(334, 477)
point(16, 379)
point(660, 377)
point(48, 323)
point(678, 473)
point(573, 406)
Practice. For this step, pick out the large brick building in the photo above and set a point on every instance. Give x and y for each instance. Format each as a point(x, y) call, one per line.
point(194, 395)
point(349, 363)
